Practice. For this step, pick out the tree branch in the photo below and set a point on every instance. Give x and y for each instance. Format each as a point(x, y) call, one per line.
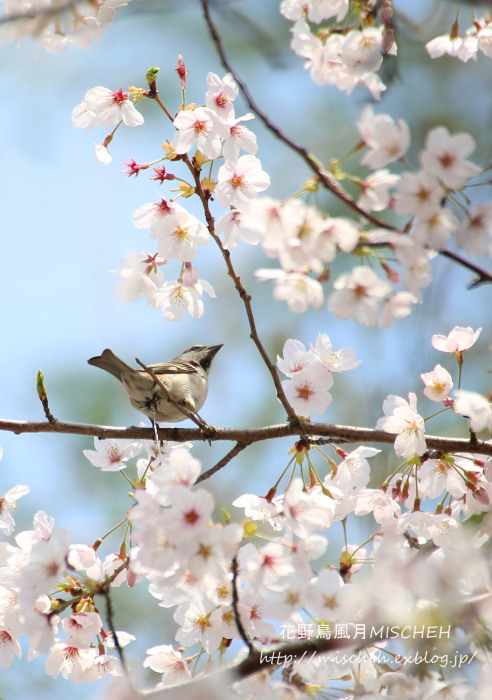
point(245, 436)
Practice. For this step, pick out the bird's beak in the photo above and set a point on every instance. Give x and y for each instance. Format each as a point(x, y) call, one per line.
point(214, 349)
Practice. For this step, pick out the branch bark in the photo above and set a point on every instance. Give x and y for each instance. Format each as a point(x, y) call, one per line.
point(246, 436)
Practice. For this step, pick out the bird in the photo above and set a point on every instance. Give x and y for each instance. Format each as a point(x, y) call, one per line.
point(185, 378)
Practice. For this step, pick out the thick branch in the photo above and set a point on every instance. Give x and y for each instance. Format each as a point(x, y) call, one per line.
point(245, 436)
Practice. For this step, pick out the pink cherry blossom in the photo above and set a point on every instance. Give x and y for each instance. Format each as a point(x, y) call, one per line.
point(108, 107)
point(402, 419)
point(166, 660)
point(221, 95)
point(463, 48)
point(179, 235)
point(458, 340)
point(418, 193)
point(177, 298)
point(444, 157)
point(239, 182)
point(358, 294)
point(295, 358)
point(196, 127)
point(438, 383)
point(474, 232)
point(475, 407)
point(387, 141)
point(111, 455)
point(140, 277)
point(8, 502)
point(334, 360)
point(307, 390)
point(375, 194)
point(298, 290)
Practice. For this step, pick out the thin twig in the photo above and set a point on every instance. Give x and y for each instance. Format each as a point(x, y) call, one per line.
point(238, 447)
point(43, 397)
point(110, 619)
point(235, 600)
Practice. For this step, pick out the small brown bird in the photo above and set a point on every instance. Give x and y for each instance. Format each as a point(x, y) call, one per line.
point(185, 378)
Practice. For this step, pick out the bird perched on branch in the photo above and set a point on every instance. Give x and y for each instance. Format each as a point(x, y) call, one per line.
point(184, 380)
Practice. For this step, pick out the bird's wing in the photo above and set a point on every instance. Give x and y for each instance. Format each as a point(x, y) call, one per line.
point(173, 368)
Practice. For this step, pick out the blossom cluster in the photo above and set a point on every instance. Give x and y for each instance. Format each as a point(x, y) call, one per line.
point(336, 54)
point(286, 574)
point(401, 416)
point(57, 25)
point(43, 560)
point(310, 373)
point(305, 240)
point(477, 38)
point(215, 132)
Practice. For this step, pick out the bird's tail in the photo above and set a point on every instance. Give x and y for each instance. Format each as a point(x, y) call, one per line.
point(109, 362)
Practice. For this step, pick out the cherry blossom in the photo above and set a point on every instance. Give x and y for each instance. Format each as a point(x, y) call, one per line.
point(177, 298)
point(8, 502)
point(459, 340)
point(239, 182)
point(307, 390)
point(397, 305)
point(295, 358)
point(199, 622)
point(189, 514)
point(335, 360)
point(111, 455)
point(260, 508)
point(375, 195)
point(438, 475)
point(106, 108)
point(438, 383)
point(474, 232)
point(265, 566)
point(402, 419)
point(418, 193)
point(380, 504)
point(61, 30)
point(140, 277)
point(237, 137)
point(444, 157)
point(434, 229)
point(475, 407)
point(354, 470)
point(166, 660)
point(74, 663)
point(231, 226)
point(306, 511)
point(196, 127)
point(358, 294)
point(326, 596)
point(387, 141)
point(154, 214)
point(179, 235)
point(316, 11)
point(221, 95)
point(463, 48)
point(298, 290)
